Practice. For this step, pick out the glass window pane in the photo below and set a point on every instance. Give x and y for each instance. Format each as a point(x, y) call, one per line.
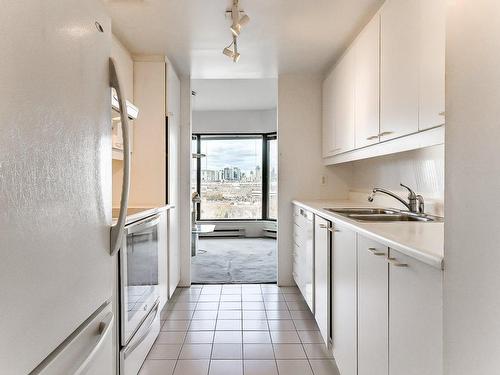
point(272, 179)
point(231, 178)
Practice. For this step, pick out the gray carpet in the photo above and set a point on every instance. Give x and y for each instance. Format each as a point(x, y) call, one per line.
point(234, 260)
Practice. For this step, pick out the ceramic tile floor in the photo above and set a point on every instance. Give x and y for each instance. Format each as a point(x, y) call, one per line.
point(248, 329)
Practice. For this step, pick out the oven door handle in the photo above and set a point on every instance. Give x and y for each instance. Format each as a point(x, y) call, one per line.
point(145, 333)
point(142, 225)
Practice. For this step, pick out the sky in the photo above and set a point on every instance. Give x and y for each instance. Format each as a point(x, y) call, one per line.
point(245, 154)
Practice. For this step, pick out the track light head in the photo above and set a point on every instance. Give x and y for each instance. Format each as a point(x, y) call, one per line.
point(244, 20)
point(228, 52)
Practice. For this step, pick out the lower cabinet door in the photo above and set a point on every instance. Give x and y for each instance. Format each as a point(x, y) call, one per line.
point(415, 317)
point(344, 316)
point(373, 317)
point(321, 276)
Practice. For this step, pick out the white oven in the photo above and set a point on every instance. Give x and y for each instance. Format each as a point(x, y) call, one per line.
point(139, 291)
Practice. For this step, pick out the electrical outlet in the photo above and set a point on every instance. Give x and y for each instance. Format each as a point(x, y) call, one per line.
point(324, 180)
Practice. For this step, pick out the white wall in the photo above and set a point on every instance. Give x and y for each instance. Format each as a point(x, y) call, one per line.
point(125, 68)
point(472, 228)
point(422, 170)
point(185, 182)
point(255, 121)
point(300, 162)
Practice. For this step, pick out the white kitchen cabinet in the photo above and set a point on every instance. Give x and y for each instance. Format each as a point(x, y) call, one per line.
point(328, 135)
point(399, 62)
point(173, 110)
point(322, 252)
point(344, 295)
point(343, 105)
point(415, 317)
point(303, 254)
point(366, 71)
point(373, 318)
point(163, 271)
point(432, 63)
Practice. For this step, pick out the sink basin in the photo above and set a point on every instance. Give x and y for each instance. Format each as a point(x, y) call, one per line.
point(382, 215)
point(390, 217)
point(361, 211)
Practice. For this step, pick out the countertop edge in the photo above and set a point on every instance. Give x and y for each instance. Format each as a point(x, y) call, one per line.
point(434, 261)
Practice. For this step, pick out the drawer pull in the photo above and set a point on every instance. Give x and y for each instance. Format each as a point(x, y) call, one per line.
point(385, 133)
point(395, 263)
point(374, 251)
point(372, 137)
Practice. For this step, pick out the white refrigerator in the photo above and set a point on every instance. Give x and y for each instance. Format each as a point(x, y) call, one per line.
point(55, 188)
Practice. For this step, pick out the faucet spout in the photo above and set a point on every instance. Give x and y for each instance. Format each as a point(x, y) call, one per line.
point(391, 194)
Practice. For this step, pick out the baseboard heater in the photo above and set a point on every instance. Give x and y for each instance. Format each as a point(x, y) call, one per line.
point(270, 232)
point(233, 232)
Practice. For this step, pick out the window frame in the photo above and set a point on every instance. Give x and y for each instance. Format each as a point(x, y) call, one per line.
point(265, 164)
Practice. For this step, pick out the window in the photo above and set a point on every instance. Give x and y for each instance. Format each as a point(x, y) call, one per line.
point(232, 177)
point(272, 178)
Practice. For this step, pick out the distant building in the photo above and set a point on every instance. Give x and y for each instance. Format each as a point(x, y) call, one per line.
point(258, 174)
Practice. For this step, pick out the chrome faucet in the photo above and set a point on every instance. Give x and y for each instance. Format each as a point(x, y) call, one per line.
point(415, 202)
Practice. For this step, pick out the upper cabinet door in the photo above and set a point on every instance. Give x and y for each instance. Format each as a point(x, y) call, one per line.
point(344, 103)
point(328, 120)
point(399, 68)
point(432, 63)
point(367, 84)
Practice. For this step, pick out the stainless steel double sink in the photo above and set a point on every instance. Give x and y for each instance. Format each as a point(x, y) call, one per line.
point(383, 215)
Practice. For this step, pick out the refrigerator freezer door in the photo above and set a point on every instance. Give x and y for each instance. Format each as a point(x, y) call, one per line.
point(86, 351)
point(55, 174)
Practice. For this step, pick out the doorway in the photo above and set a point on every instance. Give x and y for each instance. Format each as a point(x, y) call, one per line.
point(234, 178)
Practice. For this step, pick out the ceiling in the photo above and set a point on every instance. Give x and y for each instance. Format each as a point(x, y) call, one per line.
point(283, 36)
point(234, 94)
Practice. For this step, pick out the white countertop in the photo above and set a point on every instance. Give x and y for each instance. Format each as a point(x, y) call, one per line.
point(137, 213)
point(421, 240)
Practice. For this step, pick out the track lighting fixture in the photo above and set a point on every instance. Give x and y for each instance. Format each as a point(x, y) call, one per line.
point(237, 22)
point(232, 53)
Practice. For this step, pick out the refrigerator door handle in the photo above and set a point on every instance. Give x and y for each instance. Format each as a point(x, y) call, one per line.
point(117, 229)
point(104, 329)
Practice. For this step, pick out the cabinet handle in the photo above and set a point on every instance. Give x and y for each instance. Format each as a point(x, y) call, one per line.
point(332, 229)
point(442, 114)
point(395, 263)
point(385, 133)
point(374, 251)
point(372, 137)
point(323, 226)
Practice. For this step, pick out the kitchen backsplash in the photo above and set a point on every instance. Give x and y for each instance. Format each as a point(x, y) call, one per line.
point(422, 170)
